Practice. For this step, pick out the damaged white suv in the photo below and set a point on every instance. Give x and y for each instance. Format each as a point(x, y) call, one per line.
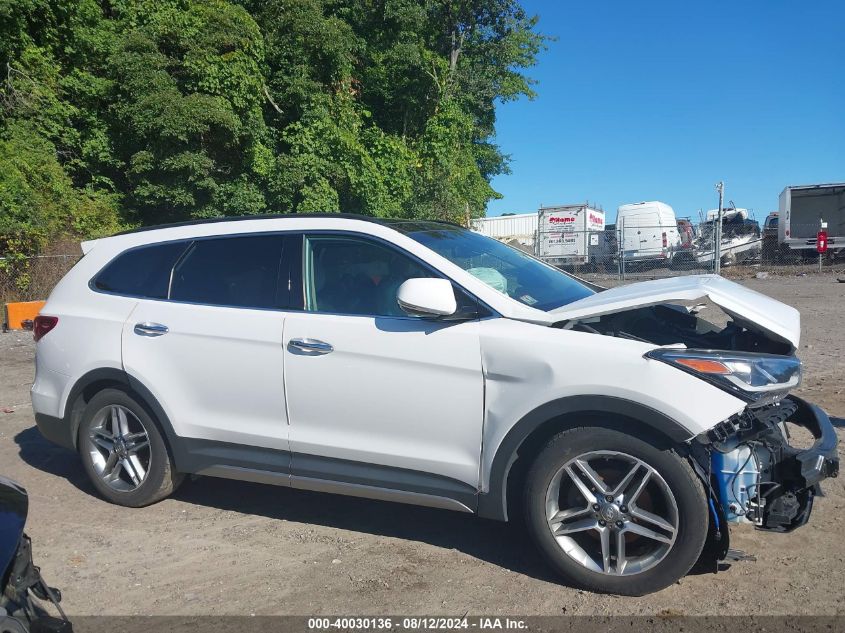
point(423, 363)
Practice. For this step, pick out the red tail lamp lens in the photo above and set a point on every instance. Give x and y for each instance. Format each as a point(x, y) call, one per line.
point(42, 325)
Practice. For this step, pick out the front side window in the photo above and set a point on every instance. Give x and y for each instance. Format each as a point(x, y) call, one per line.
point(232, 271)
point(141, 272)
point(508, 270)
point(348, 275)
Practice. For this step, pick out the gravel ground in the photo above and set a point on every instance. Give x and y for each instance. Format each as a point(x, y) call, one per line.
point(223, 547)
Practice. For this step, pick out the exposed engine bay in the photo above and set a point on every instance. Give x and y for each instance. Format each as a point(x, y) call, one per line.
point(675, 324)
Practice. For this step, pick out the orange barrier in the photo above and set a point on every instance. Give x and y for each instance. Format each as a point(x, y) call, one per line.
point(17, 313)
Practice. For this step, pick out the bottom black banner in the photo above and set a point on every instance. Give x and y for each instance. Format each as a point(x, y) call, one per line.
point(538, 624)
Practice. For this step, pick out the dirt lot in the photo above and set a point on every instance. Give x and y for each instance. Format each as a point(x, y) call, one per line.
point(223, 547)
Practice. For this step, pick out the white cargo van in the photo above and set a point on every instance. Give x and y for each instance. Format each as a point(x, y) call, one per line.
point(647, 231)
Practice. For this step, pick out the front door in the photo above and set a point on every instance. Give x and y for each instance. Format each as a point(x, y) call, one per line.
point(374, 396)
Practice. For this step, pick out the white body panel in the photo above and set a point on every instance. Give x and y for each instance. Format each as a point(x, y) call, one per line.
point(526, 366)
point(394, 391)
point(218, 372)
point(640, 229)
point(90, 338)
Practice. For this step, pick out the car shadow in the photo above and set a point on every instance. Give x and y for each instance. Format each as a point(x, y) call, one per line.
point(506, 545)
point(52, 459)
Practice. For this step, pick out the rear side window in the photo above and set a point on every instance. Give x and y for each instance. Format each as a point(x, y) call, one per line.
point(141, 272)
point(234, 271)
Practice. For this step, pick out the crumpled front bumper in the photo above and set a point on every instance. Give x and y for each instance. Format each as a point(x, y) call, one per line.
point(790, 476)
point(777, 491)
point(763, 479)
point(821, 460)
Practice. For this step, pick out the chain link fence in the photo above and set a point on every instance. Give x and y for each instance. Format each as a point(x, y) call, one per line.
point(32, 278)
point(619, 252)
point(651, 251)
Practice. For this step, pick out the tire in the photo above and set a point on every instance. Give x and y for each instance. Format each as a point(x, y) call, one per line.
point(649, 564)
point(141, 450)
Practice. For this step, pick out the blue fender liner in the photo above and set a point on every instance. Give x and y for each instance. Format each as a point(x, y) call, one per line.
point(493, 504)
point(718, 533)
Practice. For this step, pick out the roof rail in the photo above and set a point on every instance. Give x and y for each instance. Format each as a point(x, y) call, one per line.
point(267, 216)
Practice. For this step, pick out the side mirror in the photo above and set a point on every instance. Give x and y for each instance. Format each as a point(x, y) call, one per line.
point(427, 297)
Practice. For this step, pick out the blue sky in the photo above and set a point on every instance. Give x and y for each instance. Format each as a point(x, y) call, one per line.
point(647, 100)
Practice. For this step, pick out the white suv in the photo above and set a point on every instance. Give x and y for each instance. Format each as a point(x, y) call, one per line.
point(420, 362)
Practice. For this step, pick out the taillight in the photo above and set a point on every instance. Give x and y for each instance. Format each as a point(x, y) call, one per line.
point(665, 240)
point(42, 325)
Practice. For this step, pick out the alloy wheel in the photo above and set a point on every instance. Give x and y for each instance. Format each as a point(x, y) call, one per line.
point(119, 447)
point(612, 513)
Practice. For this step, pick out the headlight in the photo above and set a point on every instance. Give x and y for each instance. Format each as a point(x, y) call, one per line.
point(757, 378)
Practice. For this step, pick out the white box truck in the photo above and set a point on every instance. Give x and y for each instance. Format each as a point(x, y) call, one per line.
point(570, 234)
point(518, 230)
point(801, 211)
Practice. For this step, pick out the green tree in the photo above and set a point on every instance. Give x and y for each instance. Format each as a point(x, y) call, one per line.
point(388, 108)
point(127, 112)
point(187, 112)
point(39, 202)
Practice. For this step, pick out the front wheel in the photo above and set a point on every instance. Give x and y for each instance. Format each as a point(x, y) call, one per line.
point(614, 513)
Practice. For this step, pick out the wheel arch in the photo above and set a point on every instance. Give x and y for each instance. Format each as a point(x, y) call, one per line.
point(530, 433)
point(95, 381)
point(85, 387)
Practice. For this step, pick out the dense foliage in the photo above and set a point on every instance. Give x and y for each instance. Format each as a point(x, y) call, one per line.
point(125, 112)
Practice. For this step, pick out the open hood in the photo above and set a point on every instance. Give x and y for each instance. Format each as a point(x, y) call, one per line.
point(749, 308)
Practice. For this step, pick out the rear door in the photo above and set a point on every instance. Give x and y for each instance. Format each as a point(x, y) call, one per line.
point(650, 233)
point(640, 234)
point(211, 352)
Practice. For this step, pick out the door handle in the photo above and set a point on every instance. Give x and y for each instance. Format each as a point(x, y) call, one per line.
point(150, 329)
point(309, 346)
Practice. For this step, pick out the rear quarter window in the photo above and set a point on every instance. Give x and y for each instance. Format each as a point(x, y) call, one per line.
point(141, 272)
point(241, 272)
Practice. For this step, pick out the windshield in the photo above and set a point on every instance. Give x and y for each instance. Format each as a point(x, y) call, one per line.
point(508, 270)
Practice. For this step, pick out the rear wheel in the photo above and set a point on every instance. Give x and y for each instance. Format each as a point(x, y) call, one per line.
point(613, 513)
point(123, 451)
